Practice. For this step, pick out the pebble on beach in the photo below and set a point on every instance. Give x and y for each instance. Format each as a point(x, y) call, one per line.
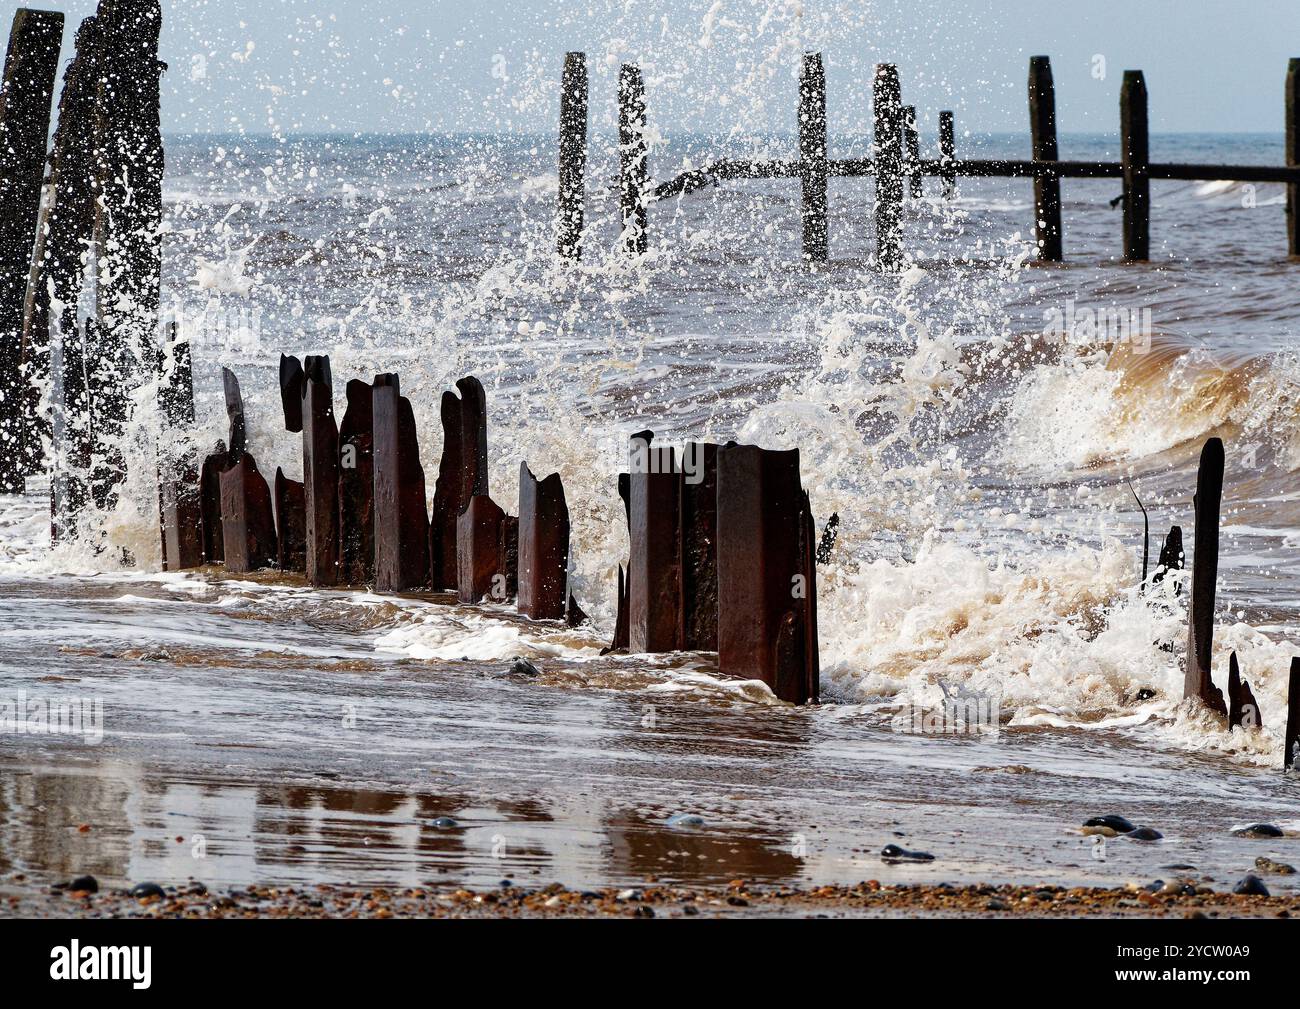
point(1265, 864)
point(893, 853)
point(1258, 830)
point(1109, 825)
point(1251, 886)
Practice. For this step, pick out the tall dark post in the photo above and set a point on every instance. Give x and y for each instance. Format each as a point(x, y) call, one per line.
point(633, 158)
point(573, 155)
point(889, 164)
point(1292, 737)
point(1135, 157)
point(1042, 134)
point(1205, 570)
point(1293, 156)
point(912, 145)
point(320, 472)
point(31, 64)
point(812, 155)
point(947, 153)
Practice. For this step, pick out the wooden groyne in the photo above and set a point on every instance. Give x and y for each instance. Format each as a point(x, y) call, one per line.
point(897, 166)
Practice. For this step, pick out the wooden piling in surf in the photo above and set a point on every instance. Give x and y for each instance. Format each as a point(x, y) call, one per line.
point(290, 523)
point(947, 154)
point(291, 381)
point(1292, 139)
point(573, 156)
point(887, 111)
point(1291, 741)
point(247, 518)
point(812, 157)
point(401, 517)
point(462, 473)
point(178, 473)
point(655, 570)
point(31, 65)
point(357, 486)
point(1135, 159)
point(320, 471)
point(633, 158)
point(1197, 681)
point(699, 550)
point(543, 546)
point(1042, 140)
point(483, 549)
point(912, 148)
point(1243, 709)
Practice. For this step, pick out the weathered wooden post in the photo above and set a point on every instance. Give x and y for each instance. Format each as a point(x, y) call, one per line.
point(633, 158)
point(947, 153)
point(767, 609)
point(912, 145)
point(487, 552)
point(573, 155)
point(357, 486)
point(247, 518)
point(178, 473)
point(290, 523)
point(812, 157)
point(655, 570)
point(1171, 555)
point(1135, 158)
point(699, 518)
point(1291, 741)
point(320, 471)
point(462, 473)
point(1243, 709)
point(1293, 156)
point(291, 382)
point(543, 546)
point(1042, 134)
point(1205, 570)
point(31, 65)
point(210, 528)
point(887, 95)
point(401, 515)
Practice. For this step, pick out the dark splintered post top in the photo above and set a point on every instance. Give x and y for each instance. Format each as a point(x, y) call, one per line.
point(1042, 133)
point(31, 65)
point(812, 157)
point(1205, 570)
point(887, 95)
point(573, 155)
point(633, 157)
point(1135, 160)
point(1293, 156)
point(947, 153)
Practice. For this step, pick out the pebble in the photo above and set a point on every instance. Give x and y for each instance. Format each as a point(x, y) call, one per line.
point(1144, 834)
point(143, 891)
point(82, 884)
point(522, 667)
point(1251, 886)
point(1258, 830)
point(1112, 823)
point(443, 823)
point(685, 820)
point(1264, 864)
point(893, 853)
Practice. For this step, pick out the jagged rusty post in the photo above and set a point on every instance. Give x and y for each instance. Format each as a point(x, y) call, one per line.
point(1135, 157)
point(912, 149)
point(633, 157)
point(887, 95)
point(812, 157)
point(290, 523)
point(1293, 156)
point(1042, 139)
point(543, 546)
point(573, 156)
point(1171, 555)
point(482, 535)
point(291, 383)
point(401, 518)
point(1291, 741)
point(947, 153)
point(699, 517)
point(1205, 571)
point(210, 527)
point(247, 518)
point(767, 616)
point(178, 472)
point(128, 227)
point(31, 65)
point(655, 569)
point(462, 473)
point(320, 471)
point(1243, 709)
point(357, 486)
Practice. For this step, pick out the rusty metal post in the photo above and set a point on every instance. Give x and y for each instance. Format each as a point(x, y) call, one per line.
point(31, 65)
point(699, 513)
point(320, 472)
point(290, 523)
point(482, 536)
point(210, 526)
point(247, 518)
point(573, 156)
point(462, 473)
point(1205, 571)
point(812, 157)
point(655, 570)
point(357, 486)
point(401, 515)
point(543, 546)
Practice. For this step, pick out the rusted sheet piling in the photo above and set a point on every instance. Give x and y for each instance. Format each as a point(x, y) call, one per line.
point(210, 528)
point(947, 154)
point(912, 151)
point(621, 615)
point(543, 546)
point(1171, 555)
point(290, 523)
point(1042, 140)
point(1291, 741)
point(887, 95)
point(401, 518)
point(1243, 709)
point(812, 157)
point(357, 486)
point(31, 65)
point(486, 537)
point(247, 518)
point(655, 570)
point(767, 618)
point(462, 473)
point(699, 523)
point(1293, 156)
point(573, 155)
point(633, 158)
point(291, 382)
point(1135, 157)
point(320, 471)
point(178, 473)
point(1205, 570)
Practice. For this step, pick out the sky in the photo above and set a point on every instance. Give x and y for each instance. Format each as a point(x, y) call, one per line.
point(306, 66)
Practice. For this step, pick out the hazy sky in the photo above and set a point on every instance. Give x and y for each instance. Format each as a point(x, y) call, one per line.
point(487, 65)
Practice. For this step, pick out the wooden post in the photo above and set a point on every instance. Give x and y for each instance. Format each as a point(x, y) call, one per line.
point(655, 570)
point(401, 513)
point(889, 165)
point(947, 152)
point(290, 523)
point(1042, 133)
point(573, 155)
point(912, 144)
point(1135, 157)
point(320, 472)
point(543, 546)
point(699, 517)
point(1293, 156)
point(178, 472)
point(633, 158)
point(812, 157)
point(1205, 570)
point(31, 65)
point(247, 518)
point(1290, 758)
point(357, 486)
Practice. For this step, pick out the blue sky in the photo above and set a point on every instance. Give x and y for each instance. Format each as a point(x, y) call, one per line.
point(487, 65)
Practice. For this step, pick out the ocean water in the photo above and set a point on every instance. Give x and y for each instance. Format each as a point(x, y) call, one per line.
point(990, 545)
